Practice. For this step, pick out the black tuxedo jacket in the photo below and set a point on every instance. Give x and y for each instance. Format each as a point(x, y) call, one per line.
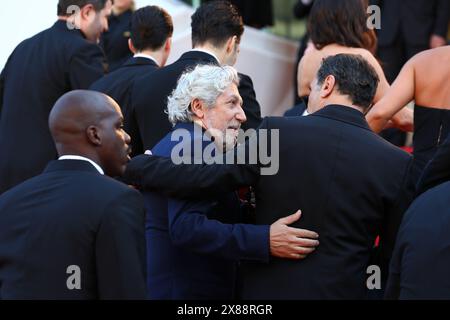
point(350, 184)
point(437, 170)
point(38, 72)
point(117, 85)
point(71, 215)
point(419, 266)
point(417, 20)
point(148, 98)
point(115, 41)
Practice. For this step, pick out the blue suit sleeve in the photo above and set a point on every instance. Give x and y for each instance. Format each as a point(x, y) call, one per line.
point(190, 228)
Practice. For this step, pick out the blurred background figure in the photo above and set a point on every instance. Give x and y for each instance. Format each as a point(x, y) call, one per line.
point(115, 41)
point(41, 69)
point(151, 43)
point(256, 14)
point(407, 28)
point(301, 11)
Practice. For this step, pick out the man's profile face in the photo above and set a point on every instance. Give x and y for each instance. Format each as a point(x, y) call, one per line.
point(225, 118)
point(115, 149)
point(97, 23)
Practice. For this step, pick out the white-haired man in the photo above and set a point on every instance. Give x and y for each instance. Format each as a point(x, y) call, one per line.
point(194, 247)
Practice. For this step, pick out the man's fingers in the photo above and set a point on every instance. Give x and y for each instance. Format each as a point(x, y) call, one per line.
point(302, 242)
point(302, 233)
point(304, 251)
point(291, 219)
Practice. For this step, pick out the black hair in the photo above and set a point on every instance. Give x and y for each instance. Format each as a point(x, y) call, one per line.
point(64, 6)
point(150, 28)
point(215, 22)
point(354, 77)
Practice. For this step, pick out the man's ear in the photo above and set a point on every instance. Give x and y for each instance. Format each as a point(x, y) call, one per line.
point(131, 46)
point(168, 45)
point(94, 135)
point(197, 108)
point(231, 43)
point(328, 86)
point(86, 12)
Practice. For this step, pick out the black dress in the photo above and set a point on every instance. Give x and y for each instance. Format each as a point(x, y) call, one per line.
point(431, 128)
point(115, 41)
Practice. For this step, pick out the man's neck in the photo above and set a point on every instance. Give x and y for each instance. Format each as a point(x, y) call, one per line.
point(338, 100)
point(157, 56)
point(211, 50)
point(83, 158)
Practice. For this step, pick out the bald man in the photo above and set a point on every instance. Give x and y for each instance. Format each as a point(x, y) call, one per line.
point(73, 232)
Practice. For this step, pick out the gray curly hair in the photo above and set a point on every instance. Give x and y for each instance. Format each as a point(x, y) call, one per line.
point(206, 83)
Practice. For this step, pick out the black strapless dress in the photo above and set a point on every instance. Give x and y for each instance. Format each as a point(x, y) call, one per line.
point(431, 128)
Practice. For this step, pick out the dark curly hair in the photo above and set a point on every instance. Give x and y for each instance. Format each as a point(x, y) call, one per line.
point(354, 77)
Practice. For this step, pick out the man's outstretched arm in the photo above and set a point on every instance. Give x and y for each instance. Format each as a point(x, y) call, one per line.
point(242, 167)
point(160, 174)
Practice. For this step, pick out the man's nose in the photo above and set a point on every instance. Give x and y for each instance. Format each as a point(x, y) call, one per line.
point(240, 116)
point(127, 137)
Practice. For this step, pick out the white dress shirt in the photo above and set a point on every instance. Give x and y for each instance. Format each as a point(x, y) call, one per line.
point(96, 166)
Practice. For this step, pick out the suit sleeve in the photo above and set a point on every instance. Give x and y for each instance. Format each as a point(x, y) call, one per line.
point(86, 66)
point(437, 170)
point(251, 106)
point(393, 219)
point(121, 249)
point(441, 18)
point(191, 229)
point(392, 291)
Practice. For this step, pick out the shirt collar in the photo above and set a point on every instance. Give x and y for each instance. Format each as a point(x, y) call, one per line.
point(344, 114)
point(208, 52)
point(146, 56)
point(71, 157)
